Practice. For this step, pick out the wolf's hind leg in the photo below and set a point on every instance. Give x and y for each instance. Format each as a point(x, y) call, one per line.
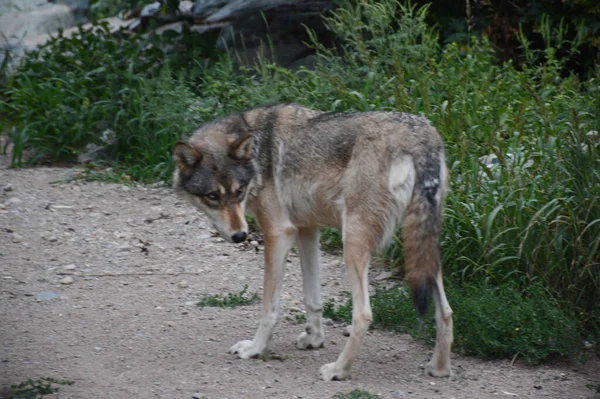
point(358, 244)
point(277, 244)
point(308, 249)
point(439, 365)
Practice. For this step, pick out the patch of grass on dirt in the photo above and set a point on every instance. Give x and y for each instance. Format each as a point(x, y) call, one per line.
point(34, 389)
point(230, 300)
point(489, 322)
point(594, 387)
point(355, 394)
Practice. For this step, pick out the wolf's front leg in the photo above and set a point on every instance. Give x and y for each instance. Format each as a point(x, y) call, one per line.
point(308, 249)
point(277, 245)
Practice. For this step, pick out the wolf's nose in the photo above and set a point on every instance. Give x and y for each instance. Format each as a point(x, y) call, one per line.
point(238, 237)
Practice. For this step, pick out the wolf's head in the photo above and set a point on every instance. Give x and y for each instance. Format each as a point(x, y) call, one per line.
point(215, 174)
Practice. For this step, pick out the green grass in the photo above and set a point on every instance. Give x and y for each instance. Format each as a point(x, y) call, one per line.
point(528, 227)
point(36, 389)
point(355, 394)
point(490, 322)
point(231, 300)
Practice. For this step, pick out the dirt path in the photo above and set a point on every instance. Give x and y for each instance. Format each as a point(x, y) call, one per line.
point(133, 261)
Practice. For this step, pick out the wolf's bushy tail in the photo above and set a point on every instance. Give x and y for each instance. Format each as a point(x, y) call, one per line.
point(421, 236)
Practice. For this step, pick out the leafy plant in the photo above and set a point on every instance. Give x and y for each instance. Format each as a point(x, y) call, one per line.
point(230, 300)
point(355, 394)
point(490, 322)
point(35, 389)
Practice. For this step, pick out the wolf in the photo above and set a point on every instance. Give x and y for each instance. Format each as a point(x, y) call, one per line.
point(297, 170)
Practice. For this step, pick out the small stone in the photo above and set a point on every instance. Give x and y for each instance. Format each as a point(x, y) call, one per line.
point(13, 201)
point(254, 244)
point(50, 238)
point(46, 296)
point(199, 395)
point(67, 280)
point(182, 284)
point(17, 238)
point(347, 331)
point(69, 267)
point(171, 324)
point(327, 322)
point(587, 345)
point(383, 276)
point(8, 188)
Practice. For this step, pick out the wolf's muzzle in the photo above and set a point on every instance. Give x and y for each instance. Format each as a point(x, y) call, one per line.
point(238, 237)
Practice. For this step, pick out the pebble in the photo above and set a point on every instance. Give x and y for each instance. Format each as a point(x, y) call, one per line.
point(67, 280)
point(383, 276)
point(46, 295)
point(182, 284)
point(16, 238)
point(8, 188)
point(347, 331)
point(254, 244)
point(199, 395)
point(69, 267)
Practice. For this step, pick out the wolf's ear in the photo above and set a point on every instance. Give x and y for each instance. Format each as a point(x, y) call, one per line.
point(186, 156)
point(241, 149)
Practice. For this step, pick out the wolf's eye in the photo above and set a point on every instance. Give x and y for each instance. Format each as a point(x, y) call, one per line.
point(213, 196)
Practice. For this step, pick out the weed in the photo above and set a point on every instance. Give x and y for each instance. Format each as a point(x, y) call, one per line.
point(230, 300)
point(331, 239)
point(355, 394)
point(595, 387)
point(490, 322)
point(35, 389)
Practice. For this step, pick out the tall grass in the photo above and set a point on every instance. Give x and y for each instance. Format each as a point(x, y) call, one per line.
point(531, 220)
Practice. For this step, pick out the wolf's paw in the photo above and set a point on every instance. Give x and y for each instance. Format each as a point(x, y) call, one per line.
point(434, 371)
point(310, 341)
point(331, 371)
point(247, 349)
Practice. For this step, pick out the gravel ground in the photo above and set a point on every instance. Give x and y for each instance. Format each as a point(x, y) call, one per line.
point(98, 284)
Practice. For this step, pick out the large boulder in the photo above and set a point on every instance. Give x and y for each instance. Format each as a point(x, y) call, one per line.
point(19, 20)
point(271, 28)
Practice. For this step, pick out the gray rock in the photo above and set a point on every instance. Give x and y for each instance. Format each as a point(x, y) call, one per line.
point(150, 10)
point(282, 23)
point(67, 280)
point(46, 296)
point(33, 21)
point(383, 276)
point(79, 8)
